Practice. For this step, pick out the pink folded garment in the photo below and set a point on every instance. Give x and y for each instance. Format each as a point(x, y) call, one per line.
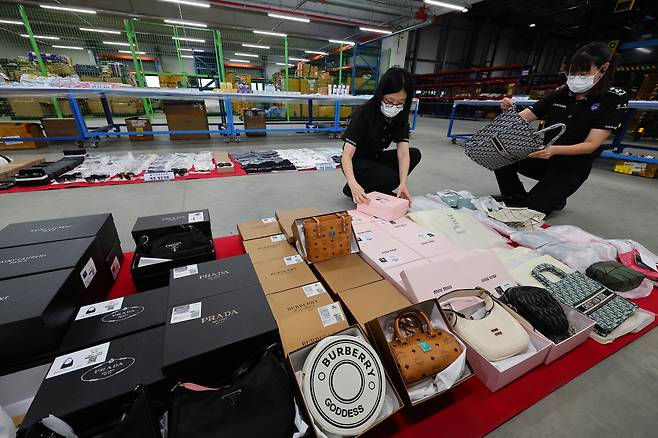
point(388, 253)
point(360, 218)
point(384, 206)
point(425, 243)
point(370, 232)
point(435, 279)
point(394, 275)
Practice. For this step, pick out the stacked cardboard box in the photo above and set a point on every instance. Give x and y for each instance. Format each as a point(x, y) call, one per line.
point(20, 130)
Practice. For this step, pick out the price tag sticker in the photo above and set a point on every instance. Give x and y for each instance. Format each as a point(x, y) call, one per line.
point(313, 289)
point(185, 271)
point(268, 220)
point(278, 238)
point(293, 260)
point(331, 314)
point(186, 312)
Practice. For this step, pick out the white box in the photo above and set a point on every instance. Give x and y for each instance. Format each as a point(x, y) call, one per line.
point(582, 326)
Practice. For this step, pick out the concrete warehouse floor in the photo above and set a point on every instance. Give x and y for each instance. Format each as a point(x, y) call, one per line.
point(616, 397)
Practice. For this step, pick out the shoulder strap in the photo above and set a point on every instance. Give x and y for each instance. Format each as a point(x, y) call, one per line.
point(537, 273)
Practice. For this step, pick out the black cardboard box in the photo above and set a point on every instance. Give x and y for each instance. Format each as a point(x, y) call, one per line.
point(112, 319)
point(100, 226)
point(90, 270)
point(209, 338)
point(153, 276)
point(87, 387)
point(163, 224)
point(193, 282)
point(35, 312)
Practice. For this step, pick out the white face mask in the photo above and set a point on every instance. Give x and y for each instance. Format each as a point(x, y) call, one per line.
point(582, 84)
point(390, 110)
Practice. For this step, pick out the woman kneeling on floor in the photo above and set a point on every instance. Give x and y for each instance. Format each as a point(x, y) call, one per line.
point(590, 109)
point(366, 163)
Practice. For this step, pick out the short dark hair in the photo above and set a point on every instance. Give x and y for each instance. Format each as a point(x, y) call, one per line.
point(395, 79)
point(596, 53)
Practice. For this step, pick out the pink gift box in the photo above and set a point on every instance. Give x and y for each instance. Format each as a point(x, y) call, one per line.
point(424, 242)
point(388, 253)
point(368, 233)
point(394, 275)
point(384, 206)
point(434, 279)
point(360, 218)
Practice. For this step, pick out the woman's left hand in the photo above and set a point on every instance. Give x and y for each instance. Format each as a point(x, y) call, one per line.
point(544, 154)
point(403, 192)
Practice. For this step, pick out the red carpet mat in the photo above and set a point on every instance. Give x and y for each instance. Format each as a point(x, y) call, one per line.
point(470, 409)
point(239, 171)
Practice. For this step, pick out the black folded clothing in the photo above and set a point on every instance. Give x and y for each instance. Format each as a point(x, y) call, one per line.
point(44, 173)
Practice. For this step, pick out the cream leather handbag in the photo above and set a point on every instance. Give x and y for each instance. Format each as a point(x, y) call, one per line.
point(496, 336)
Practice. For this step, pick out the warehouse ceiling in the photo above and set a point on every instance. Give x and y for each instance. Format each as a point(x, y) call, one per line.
point(338, 19)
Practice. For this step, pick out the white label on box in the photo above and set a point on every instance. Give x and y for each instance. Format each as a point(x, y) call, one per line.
point(268, 220)
point(115, 268)
point(99, 308)
point(365, 236)
point(331, 314)
point(158, 176)
point(424, 236)
point(278, 238)
point(184, 271)
point(7, 141)
point(500, 289)
point(195, 217)
point(293, 260)
point(79, 359)
point(389, 259)
point(186, 312)
point(314, 289)
point(88, 273)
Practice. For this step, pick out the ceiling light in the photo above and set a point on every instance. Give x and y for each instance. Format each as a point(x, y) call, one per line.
point(11, 22)
point(69, 47)
point(41, 37)
point(287, 17)
point(315, 52)
point(188, 3)
point(248, 55)
point(281, 63)
point(66, 8)
point(242, 61)
point(446, 5)
point(372, 29)
point(186, 23)
point(532, 24)
point(290, 58)
point(194, 40)
point(113, 32)
point(256, 46)
point(191, 50)
point(265, 32)
point(114, 43)
point(128, 51)
point(187, 56)
point(347, 43)
point(643, 49)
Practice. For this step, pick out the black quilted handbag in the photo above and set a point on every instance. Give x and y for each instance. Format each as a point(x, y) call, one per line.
point(541, 310)
point(507, 139)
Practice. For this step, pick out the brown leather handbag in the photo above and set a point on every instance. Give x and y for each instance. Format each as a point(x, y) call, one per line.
point(425, 351)
point(328, 236)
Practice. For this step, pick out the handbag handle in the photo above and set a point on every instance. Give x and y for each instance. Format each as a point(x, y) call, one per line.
point(537, 273)
point(413, 313)
point(340, 216)
point(562, 127)
point(478, 292)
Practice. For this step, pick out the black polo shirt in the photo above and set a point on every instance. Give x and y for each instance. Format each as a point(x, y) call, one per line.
point(370, 132)
point(605, 111)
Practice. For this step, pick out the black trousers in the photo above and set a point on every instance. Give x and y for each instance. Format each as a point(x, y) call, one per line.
point(381, 174)
point(557, 180)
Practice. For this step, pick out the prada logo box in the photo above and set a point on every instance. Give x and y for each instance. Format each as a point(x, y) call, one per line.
point(99, 226)
point(258, 228)
point(35, 312)
point(268, 248)
point(210, 337)
point(163, 224)
point(284, 273)
point(152, 273)
point(193, 282)
point(112, 319)
point(91, 274)
point(88, 387)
